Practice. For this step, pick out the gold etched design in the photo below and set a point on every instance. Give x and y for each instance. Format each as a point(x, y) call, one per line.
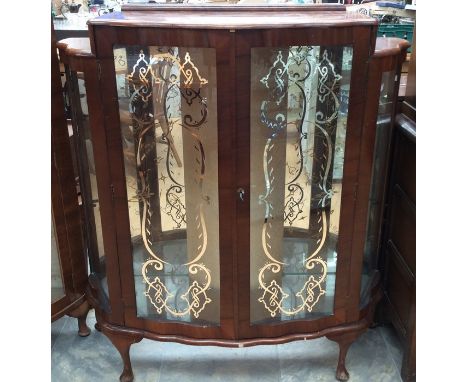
point(273, 295)
point(201, 227)
point(294, 203)
point(310, 293)
point(328, 80)
point(195, 298)
point(188, 81)
point(274, 80)
point(198, 298)
point(302, 62)
point(157, 294)
point(187, 70)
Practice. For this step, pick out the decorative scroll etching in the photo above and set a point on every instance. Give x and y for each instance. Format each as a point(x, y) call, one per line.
point(305, 165)
point(166, 102)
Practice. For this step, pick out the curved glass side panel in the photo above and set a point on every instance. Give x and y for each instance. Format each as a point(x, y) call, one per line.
point(375, 208)
point(299, 106)
point(96, 234)
point(167, 99)
point(87, 173)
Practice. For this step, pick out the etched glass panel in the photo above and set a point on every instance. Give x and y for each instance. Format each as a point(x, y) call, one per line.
point(57, 290)
point(167, 99)
point(375, 208)
point(299, 98)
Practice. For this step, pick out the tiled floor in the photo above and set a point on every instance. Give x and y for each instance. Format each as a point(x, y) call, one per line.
point(374, 357)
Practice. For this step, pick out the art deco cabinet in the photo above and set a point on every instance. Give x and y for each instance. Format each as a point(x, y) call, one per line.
point(228, 154)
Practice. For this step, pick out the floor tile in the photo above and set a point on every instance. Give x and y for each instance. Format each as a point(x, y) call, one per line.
point(56, 328)
point(203, 363)
point(94, 358)
point(394, 345)
point(315, 360)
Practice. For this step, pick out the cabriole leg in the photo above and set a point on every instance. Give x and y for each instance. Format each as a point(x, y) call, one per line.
point(344, 342)
point(123, 342)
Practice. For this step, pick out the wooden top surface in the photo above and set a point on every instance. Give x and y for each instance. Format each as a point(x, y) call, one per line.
point(76, 46)
point(232, 17)
point(389, 46)
point(384, 46)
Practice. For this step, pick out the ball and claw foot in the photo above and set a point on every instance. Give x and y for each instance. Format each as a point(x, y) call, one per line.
point(126, 376)
point(344, 341)
point(342, 374)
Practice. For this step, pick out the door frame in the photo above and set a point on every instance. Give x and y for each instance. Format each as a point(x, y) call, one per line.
point(122, 284)
point(362, 39)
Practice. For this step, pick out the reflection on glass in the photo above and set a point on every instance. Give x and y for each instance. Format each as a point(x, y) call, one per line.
point(57, 290)
point(87, 170)
point(91, 166)
point(167, 99)
point(298, 127)
point(382, 143)
point(96, 211)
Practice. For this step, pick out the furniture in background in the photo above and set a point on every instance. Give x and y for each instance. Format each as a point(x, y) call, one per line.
point(74, 55)
point(229, 157)
point(398, 260)
point(68, 262)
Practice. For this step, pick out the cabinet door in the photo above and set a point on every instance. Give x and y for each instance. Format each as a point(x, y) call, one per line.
point(171, 181)
point(298, 126)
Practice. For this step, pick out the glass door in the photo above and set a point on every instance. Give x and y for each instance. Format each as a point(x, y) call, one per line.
point(167, 98)
point(298, 120)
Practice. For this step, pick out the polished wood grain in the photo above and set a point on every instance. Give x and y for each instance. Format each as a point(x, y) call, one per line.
point(206, 7)
point(228, 17)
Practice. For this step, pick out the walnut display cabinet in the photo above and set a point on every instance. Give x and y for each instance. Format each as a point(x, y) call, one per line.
point(231, 152)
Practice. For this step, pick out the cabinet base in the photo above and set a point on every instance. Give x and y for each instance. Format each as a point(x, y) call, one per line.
point(123, 337)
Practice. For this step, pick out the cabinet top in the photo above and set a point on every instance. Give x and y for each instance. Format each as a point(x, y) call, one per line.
point(232, 16)
point(75, 46)
point(389, 46)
